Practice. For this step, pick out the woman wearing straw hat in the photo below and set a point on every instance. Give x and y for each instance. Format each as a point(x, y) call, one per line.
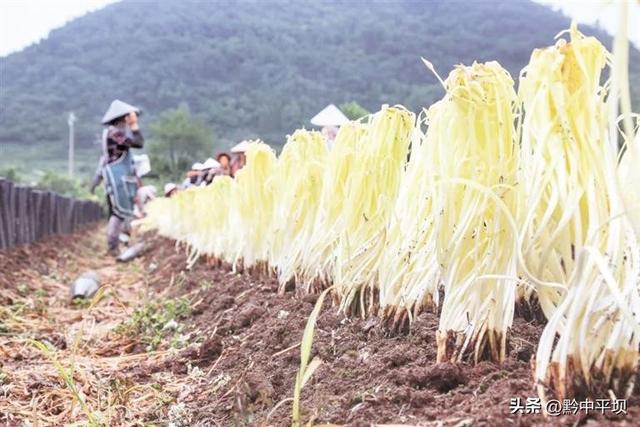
point(220, 166)
point(239, 158)
point(194, 175)
point(329, 119)
point(116, 167)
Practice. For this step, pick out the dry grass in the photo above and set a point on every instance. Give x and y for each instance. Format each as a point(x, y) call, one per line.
point(84, 371)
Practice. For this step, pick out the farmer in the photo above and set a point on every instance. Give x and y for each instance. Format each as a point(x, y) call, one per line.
point(170, 189)
point(329, 120)
point(209, 169)
point(329, 134)
point(194, 176)
point(116, 167)
point(239, 158)
point(225, 164)
point(220, 166)
point(145, 194)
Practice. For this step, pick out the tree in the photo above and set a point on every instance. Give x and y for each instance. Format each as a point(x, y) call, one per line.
point(353, 110)
point(178, 139)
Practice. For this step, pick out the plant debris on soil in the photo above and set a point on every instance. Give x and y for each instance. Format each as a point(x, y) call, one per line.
point(163, 345)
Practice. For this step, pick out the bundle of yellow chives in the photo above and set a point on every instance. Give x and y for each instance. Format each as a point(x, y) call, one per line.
point(475, 162)
point(371, 190)
point(409, 272)
point(590, 343)
point(316, 257)
point(251, 208)
point(298, 190)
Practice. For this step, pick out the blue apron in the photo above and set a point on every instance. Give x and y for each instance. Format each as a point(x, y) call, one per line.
point(121, 185)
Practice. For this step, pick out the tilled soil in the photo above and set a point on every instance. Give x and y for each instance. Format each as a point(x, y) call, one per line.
point(240, 364)
point(368, 375)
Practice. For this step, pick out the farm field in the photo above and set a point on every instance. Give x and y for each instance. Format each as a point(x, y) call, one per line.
point(471, 262)
point(29, 159)
point(235, 352)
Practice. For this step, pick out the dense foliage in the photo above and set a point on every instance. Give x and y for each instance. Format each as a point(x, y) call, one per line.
point(258, 69)
point(62, 184)
point(54, 181)
point(353, 110)
point(178, 140)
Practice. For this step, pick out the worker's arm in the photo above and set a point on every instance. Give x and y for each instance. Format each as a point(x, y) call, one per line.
point(95, 182)
point(97, 178)
point(134, 138)
point(124, 138)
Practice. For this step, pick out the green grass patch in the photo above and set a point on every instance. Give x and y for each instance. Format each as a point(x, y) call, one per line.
point(32, 160)
point(157, 321)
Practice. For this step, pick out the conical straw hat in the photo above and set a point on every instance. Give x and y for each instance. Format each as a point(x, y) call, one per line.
point(211, 164)
point(118, 109)
point(241, 147)
point(169, 187)
point(330, 116)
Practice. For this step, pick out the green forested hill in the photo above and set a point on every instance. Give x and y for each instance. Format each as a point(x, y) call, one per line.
point(258, 68)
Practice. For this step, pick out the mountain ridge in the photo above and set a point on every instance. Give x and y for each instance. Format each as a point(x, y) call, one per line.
point(259, 69)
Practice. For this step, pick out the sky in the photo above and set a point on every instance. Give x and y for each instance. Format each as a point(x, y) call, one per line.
point(604, 13)
point(23, 22)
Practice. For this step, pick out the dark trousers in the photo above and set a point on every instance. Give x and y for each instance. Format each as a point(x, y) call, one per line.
point(115, 226)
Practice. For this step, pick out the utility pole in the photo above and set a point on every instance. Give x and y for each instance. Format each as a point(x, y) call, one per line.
point(70, 121)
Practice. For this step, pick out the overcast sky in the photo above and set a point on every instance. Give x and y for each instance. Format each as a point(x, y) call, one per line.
point(23, 22)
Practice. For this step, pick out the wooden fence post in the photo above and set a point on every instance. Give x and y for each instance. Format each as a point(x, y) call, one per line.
point(4, 239)
point(37, 208)
point(48, 213)
point(32, 214)
point(20, 211)
point(27, 214)
point(9, 210)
